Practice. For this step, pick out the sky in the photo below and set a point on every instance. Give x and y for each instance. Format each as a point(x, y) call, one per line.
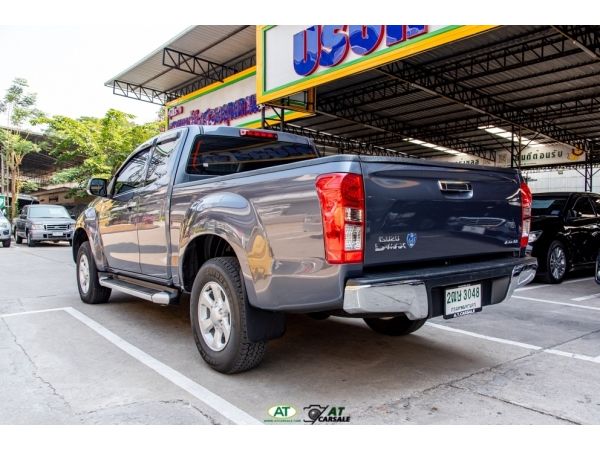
point(67, 66)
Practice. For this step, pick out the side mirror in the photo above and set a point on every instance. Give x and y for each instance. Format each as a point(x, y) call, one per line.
point(571, 214)
point(598, 268)
point(97, 187)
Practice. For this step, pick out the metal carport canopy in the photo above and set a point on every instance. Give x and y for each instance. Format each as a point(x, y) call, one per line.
point(541, 84)
point(198, 56)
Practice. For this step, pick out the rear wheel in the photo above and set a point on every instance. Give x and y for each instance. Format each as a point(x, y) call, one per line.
point(88, 284)
point(556, 263)
point(218, 315)
point(395, 326)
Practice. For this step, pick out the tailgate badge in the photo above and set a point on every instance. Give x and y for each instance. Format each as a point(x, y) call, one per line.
point(411, 239)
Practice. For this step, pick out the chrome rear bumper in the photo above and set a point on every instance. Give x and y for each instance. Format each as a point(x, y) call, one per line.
point(399, 292)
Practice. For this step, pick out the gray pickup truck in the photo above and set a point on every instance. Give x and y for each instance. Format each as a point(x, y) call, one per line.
point(38, 223)
point(253, 225)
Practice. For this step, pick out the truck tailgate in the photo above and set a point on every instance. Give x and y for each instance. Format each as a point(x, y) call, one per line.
point(421, 211)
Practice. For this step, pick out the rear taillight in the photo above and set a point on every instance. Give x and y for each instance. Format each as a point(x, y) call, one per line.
point(342, 201)
point(526, 200)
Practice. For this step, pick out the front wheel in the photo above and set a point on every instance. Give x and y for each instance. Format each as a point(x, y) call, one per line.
point(90, 290)
point(395, 326)
point(18, 239)
point(556, 263)
point(6, 243)
point(218, 315)
point(30, 241)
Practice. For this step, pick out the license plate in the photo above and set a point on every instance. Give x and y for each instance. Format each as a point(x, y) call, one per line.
point(462, 300)
point(472, 229)
point(57, 233)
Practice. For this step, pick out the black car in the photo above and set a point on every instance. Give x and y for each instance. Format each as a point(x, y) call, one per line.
point(565, 232)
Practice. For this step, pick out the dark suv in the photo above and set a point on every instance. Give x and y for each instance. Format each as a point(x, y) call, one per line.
point(565, 232)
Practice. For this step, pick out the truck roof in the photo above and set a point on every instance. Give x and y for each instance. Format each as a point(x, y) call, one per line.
point(221, 130)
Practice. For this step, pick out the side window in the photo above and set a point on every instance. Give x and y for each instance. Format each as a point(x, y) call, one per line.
point(596, 202)
point(132, 174)
point(583, 209)
point(157, 167)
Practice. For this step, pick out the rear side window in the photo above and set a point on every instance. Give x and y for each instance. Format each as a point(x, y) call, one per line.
point(157, 167)
point(224, 155)
point(548, 206)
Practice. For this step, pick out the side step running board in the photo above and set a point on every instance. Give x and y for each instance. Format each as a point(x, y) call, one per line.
point(158, 294)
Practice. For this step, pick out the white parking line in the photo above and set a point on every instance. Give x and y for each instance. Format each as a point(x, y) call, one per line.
point(219, 404)
point(528, 288)
point(585, 297)
point(24, 313)
point(517, 344)
point(481, 336)
point(531, 299)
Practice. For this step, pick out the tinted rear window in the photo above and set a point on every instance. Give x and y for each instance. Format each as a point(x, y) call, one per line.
point(223, 155)
point(548, 206)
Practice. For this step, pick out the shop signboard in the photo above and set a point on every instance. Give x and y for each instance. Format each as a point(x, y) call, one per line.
point(232, 103)
point(294, 58)
point(532, 156)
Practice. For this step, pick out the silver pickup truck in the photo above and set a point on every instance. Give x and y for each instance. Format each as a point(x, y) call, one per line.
point(253, 225)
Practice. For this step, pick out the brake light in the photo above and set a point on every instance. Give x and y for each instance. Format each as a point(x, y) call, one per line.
point(526, 200)
point(259, 134)
point(342, 200)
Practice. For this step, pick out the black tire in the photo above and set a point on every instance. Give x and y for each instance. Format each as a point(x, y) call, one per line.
point(30, 241)
point(395, 326)
point(18, 239)
point(549, 275)
point(239, 353)
point(95, 293)
point(70, 241)
point(6, 243)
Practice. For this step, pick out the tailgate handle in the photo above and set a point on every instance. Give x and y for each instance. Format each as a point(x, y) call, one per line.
point(455, 187)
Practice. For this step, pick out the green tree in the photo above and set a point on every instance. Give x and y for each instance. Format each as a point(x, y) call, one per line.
point(101, 144)
point(20, 110)
point(29, 187)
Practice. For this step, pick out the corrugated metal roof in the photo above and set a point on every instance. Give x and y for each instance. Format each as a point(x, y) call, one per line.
point(565, 77)
point(216, 43)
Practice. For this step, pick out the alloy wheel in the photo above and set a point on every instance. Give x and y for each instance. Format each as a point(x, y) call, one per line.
point(214, 316)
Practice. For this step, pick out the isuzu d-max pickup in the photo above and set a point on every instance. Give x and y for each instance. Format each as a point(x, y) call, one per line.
point(254, 224)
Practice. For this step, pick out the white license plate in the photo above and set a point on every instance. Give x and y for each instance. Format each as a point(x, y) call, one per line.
point(462, 300)
point(58, 233)
point(472, 229)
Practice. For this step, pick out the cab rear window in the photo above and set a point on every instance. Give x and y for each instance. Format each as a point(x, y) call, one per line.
point(224, 155)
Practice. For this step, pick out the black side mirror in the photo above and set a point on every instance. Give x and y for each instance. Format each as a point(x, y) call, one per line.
point(97, 187)
point(598, 268)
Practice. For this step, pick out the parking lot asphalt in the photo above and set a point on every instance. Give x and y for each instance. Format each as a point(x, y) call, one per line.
point(534, 359)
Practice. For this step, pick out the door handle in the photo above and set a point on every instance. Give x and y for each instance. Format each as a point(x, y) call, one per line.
point(454, 186)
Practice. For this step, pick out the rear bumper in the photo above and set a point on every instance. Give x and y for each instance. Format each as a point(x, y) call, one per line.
point(419, 293)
